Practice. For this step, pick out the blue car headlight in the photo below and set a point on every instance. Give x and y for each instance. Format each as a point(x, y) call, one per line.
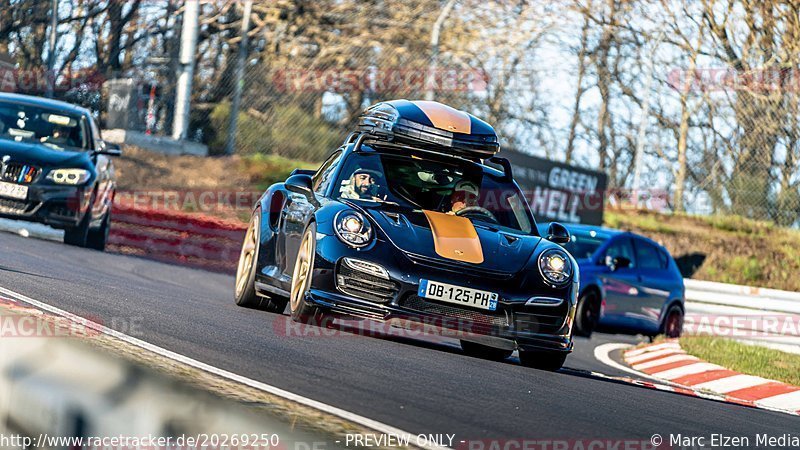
point(352, 228)
point(555, 266)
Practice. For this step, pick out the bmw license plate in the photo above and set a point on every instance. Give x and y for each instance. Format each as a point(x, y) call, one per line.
point(459, 295)
point(16, 191)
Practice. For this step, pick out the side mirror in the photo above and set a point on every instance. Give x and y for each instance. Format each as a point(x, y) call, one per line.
point(303, 172)
point(109, 149)
point(617, 262)
point(558, 233)
point(300, 184)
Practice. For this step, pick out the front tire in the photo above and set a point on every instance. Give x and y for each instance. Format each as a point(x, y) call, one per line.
point(245, 288)
point(301, 280)
point(97, 239)
point(542, 360)
point(484, 351)
point(79, 235)
point(587, 314)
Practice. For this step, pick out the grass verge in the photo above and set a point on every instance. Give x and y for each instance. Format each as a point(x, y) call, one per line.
point(748, 359)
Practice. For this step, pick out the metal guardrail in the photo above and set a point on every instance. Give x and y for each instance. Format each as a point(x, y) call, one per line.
point(761, 299)
point(758, 316)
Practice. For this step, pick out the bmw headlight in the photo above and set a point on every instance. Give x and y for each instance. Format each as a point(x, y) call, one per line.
point(352, 228)
point(72, 177)
point(555, 266)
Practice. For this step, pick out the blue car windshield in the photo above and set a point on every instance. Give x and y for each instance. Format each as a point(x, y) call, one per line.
point(584, 245)
point(456, 187)
point(53, 129)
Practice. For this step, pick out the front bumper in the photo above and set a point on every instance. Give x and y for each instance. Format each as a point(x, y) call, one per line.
point(395, 301)
point(57, 206)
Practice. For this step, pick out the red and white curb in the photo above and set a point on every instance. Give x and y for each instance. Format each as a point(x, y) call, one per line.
point(689, 375)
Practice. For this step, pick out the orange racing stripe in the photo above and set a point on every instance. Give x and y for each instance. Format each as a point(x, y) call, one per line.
point(455, 237)
point(446, 118)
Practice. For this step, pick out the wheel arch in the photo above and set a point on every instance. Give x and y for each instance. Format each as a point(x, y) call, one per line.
point(668, 305)
point(592, 287)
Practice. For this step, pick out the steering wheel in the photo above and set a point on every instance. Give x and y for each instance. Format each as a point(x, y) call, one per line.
point(483, 212)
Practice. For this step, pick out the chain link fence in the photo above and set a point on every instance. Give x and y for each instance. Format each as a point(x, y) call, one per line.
point(721, 135)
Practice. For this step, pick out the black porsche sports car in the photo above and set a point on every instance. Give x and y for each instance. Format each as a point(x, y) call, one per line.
point(414, 221)
point(55, 168)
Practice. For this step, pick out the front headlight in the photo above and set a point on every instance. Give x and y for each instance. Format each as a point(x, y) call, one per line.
point(69, 176)
point(352, 228)
point(555, 266)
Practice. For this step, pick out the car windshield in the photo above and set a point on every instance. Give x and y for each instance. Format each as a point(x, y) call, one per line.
point(456, 187)
point(584, 245)
point(31, 124)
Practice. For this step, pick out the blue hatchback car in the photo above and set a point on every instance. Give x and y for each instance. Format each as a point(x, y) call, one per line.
point(628, 283)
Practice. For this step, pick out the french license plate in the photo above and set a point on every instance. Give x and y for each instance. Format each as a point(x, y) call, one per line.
point(11, 190)
point(459, 295)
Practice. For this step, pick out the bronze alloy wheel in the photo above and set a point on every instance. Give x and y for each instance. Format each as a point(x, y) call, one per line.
point(248, 255)
point(301, 280)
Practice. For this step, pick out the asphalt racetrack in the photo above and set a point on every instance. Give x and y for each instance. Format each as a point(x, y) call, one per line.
point(417, 385)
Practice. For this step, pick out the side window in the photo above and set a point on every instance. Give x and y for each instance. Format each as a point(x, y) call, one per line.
point(322, 179)
point(662, 254)
point(647, 255)
point(622, 247)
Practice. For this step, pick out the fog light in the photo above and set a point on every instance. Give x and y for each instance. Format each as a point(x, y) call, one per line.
point(366, 267)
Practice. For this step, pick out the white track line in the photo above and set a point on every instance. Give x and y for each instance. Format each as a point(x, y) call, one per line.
point(31, 229)
point(347, 415)
point(601, 353)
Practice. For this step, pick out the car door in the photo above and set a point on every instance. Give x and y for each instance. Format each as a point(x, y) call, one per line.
point(620, 284)
point(656, 282)
point(297, 211)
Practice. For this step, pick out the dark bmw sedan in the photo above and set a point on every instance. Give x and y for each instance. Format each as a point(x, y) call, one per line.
point(55, 168)
point(629, 283)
